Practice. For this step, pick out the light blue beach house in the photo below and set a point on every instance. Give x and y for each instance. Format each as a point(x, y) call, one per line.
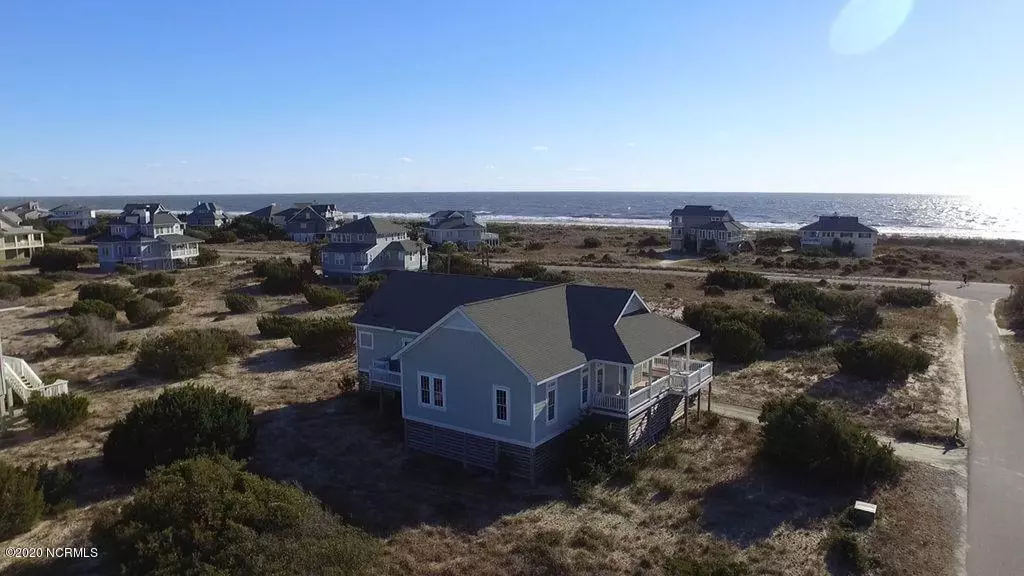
point(493, 370)
point(370, 245)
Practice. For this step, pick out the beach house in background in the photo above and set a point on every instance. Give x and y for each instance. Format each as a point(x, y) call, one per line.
point(30, 210)
point(146, 236)
point(370, 245)
point(459, 227)
point(696, 228)
point(492, 372)
point(841, 234)
point(17, 240)
point(75, 217)
point(269, 214)
point(206, 215)
point(310, 222)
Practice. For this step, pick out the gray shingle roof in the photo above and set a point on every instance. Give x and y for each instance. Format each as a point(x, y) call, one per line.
point(132, 206)
point(207, 207)
point(727, 225)
point(177, 239)
point(405, 245)
point(165, 218)
point(453, 223)
point(265, 212)
point(698, 210)
point(550, 331)
point(414, 301)
point(369, 225)
point(837, 223)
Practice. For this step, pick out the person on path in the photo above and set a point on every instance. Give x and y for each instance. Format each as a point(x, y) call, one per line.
point(965, 279)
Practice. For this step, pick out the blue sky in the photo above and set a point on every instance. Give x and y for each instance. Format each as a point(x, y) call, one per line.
point(886, 96)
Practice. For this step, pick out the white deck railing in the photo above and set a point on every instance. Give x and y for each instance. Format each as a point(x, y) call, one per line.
point(381, 372)
point(678, 382)
point(24, 382)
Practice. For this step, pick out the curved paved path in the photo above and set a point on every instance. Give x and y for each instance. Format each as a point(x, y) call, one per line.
point(995, 501)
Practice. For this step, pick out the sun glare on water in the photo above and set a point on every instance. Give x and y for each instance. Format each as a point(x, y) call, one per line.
point(864, 25)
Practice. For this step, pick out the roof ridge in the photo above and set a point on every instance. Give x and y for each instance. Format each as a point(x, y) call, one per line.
point(496, 298)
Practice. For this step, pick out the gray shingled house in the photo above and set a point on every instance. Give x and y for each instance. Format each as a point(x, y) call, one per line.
point(458, 227)
point(697, 227)
point(369, 245)
point(206, 215)
point(493, 370)
point(146, 236)
point(840, 233)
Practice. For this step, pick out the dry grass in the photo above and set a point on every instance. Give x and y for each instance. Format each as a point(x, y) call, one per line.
point(1012, 339)
point(697, 492)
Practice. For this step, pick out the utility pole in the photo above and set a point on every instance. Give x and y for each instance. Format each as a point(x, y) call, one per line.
point(6, 394)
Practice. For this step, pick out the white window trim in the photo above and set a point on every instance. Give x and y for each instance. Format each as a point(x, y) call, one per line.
point(508, 405)
point(444, 391)
point(552, 387)
point(363, 346)
point(584, 379)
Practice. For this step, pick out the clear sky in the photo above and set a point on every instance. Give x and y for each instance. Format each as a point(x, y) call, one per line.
point(887, 96)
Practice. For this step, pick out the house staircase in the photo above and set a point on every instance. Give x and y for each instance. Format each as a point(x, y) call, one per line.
point(19, 379)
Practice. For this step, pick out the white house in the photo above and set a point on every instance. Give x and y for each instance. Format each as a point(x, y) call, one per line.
point(459, 227)
point(76, 217)
point(836, 232)
point(16, 240)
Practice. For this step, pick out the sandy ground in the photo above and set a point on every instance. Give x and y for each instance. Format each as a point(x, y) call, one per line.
point(697, 491)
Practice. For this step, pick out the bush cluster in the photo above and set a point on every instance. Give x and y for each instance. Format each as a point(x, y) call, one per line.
point(907, 297)
point(718, 257)
point(530, 270)
point(591, 242)
point(880, 359)
point(207, 256)
point(593, 454)
point(324, 296)
point(534, 245)
point(255, 230)
point(652, 240)
point(117, 295)
point(276, 325)
point(735, 279)
point(367, 286)
point(167, 297)
point(152, 280)
point(803, 437)
point(142, 312)
point(282, 276)
point(28, 286)
point(241, 303)
point(21, 500)
point(62, 412)
point(209, 516)
point(96, 308)
point(50, 259)
point(179, 423)
point(327, 336)
point(220, 236)
point(799, 329)
point(188, 352)
point(734, 341)
point(852, 309)
point(87, 334)
point(125, 270)
point(456, 263)
point(9, 291)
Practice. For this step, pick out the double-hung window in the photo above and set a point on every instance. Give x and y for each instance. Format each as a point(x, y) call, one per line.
point(501, 405)
point(432, 391)
point(552, 402)
point(366, 340)
point(585, 386)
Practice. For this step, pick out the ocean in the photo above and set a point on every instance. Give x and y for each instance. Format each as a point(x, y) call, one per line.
point(930, 215)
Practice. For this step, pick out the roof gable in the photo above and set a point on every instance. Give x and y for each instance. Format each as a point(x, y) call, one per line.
point(369, 225)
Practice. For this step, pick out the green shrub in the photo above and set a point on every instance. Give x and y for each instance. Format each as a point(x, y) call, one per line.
point(21, 500)
point(843, 548)
point(222, 237)
point(117, 295)
point(367, 286)
point(142, 312)
point(152, 280)
point(652, 240)
point(181, 422)
point(276, 325)
point(804, 438)
point(794, 294)
point(864, 315)
point(714, 291)
point(207, 257)
point(87, 334)
point(263, 268)
point(324, 296)
point(58, 484)
point(125, 270)
point(593, 454)
point(167, 297)
point(96, 308)
point(28, 285)
point(188, 352)
point(736, 342)
point(880, 359)
point(62, 412)
point(9, 291)
point(280, 276)
point(533, 245)
point(208, 516)
point(907, 297)
point(718, 258)
point(253, 229)
point(801, 329)
point(50, 259)
point(591, 242)
point(735, 279)
point(324, 336)
point(241, 303)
